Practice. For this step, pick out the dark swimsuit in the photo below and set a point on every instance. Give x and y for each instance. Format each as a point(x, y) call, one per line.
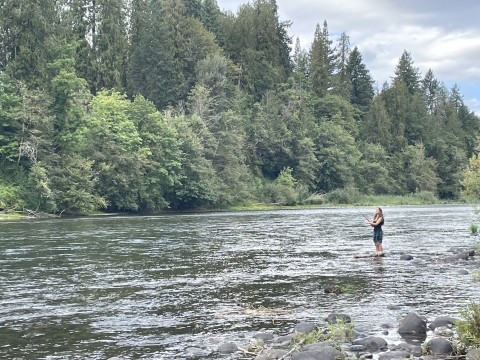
point(378, 233)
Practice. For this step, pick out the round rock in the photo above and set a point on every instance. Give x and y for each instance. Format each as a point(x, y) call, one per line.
point(305, 327)
point(440, 346)
point(412, 324)
point(227, 348)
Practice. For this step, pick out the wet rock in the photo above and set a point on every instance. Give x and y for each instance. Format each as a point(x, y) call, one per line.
point(394, 355)
point(334, 318)
point(412, 324)
point(196, 351)
point(463, 272)
point(387, 326)
point(366, 356)
point(327, 350)
point(284, 339)
point(314, 346)
point(394, 307)
point(336, 289)
point(271, 354)
point(357, 348)
point(263, 336)
point(443, 331)
point(473, 354)
point(440, 346)
point(442, 321)
point(213, 340)
point(406, 257)
point(311, 355)
point(305, 327)
point(415, 350)
point(228, 348)
point(371, 343)
point(385, 332)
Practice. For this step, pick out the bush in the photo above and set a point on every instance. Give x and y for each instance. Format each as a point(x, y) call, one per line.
point(347, 195)
point(468, 328)
point(427, 197)
point(10, 197)
point(473, 228)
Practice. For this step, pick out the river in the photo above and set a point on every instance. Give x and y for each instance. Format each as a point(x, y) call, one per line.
point(148, 287)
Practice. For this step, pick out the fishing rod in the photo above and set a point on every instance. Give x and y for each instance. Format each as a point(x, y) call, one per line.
point(355, 206)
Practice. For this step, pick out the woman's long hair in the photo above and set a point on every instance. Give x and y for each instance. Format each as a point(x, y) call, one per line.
point(380, 214)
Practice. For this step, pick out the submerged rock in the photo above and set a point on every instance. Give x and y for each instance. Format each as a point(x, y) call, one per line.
point(311, 355)
point(394, 355)
point(334, 318)
point(406, 257)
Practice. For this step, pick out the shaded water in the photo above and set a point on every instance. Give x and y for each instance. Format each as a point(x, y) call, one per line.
point(150, 286)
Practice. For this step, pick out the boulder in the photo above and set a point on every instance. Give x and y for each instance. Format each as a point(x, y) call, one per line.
point(284, 339)
point(357, 348)
point(334, 318)
point(371, 343)
point(462, 272)
point(227, 348)
point(406, 257)
point(442, 321)
point(415, 350)
point(394, 355)
point(196, 351)
point(305, 327)
point(271, 354)
point(328, 350)
point(412, 324)
point(473, 354)
point(263, 336)
point(440, 346)
point(311, 355)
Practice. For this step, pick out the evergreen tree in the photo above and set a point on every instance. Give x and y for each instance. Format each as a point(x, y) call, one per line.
point(406, 72)
point(341, 79)
point(361, 83)
point(153, 71)
point(193, 8)
point(322, 61)
point(430, 87)
point(300, 66)
point(210, 16)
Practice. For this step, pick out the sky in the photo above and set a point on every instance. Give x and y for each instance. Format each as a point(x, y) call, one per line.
point(440, 35)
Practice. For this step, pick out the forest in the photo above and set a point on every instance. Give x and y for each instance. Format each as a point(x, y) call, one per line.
point(146, 105)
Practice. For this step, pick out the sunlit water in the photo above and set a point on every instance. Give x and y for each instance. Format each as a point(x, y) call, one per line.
point(151, 286)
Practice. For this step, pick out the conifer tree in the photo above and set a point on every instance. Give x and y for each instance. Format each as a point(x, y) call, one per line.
point(406, 72)
point(361, 83)
point(341, 79)
point(321, 61)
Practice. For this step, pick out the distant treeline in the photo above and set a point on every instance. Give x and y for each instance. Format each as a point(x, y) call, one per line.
point(143, 105)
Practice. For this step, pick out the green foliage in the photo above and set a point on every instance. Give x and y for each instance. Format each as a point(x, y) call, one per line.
point(468, 327)
point(10, 197)
point(473, 228)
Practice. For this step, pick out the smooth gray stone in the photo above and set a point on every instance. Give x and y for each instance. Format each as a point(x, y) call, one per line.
point(228, 348)
point(412, 324)
point(442, 321)
point(263, 336)
point(328, 350)
point(196, 351)
point(305, 327)
point(357, 348)
point(440, 346)
point(283, 339)
point(473, 354)
point(311, 355)
point(406, 257)
point(271, 354)
point(371, 343)
point(394, 355)
point(462, 272)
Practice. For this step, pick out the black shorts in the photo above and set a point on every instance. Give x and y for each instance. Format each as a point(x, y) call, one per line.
point(378, 236)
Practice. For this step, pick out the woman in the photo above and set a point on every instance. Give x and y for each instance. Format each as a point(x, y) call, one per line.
point(377, 223)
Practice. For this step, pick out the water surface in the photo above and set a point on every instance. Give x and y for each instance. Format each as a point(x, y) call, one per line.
point(151, 286)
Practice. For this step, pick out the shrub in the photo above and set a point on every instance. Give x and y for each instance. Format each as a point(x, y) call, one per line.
point(468, 328)
point(347, 195)
point(473, 228)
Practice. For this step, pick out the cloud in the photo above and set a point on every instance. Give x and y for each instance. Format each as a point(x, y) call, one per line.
point(441, 35)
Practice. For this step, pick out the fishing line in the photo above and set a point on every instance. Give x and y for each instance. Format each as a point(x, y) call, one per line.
point(360, 212)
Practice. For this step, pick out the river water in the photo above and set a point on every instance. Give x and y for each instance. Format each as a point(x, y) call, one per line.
point(149, 287)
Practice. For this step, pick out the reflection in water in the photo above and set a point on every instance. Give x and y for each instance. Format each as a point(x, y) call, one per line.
point(151, 286)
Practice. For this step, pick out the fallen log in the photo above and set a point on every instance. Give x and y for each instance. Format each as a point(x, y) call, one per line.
point(376, 254)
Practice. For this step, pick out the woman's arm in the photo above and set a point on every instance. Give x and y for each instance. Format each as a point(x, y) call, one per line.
point(376, 221)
